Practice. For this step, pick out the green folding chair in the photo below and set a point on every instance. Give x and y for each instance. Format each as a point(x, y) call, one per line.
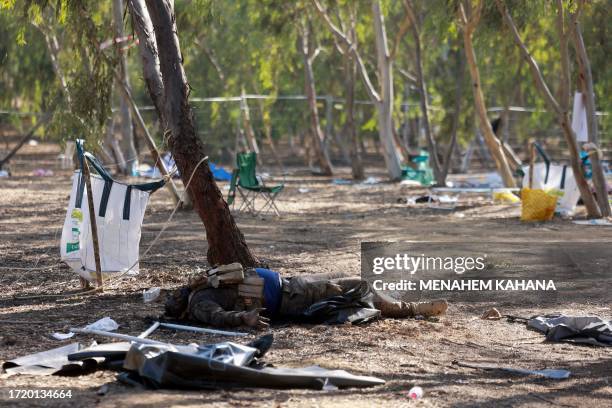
point(250, 186)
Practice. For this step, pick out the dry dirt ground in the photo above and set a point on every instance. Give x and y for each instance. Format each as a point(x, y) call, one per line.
point(320, 230)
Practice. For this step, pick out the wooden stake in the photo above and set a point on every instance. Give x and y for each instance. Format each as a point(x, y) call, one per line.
point(532, 155)
point(92, 221)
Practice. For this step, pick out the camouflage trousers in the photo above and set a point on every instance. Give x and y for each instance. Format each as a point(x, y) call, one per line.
point(300, 292)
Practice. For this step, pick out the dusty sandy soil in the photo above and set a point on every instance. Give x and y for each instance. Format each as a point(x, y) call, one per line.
point(320, 230)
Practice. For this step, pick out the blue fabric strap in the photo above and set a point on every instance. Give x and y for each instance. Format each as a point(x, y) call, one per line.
point(108, 184)
point(127, 202)
point(272, 289)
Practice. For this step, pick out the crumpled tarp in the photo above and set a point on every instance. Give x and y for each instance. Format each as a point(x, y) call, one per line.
point(578, 329)
point(355, 306)
point(51, 362)
point(213, 366)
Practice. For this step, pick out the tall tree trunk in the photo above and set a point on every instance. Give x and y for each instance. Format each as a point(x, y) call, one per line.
point(385, 105)
point(308, 53)
point(434, 160)
point(127, 132)
point(226, 243)
point(141, 22)
point(349, 107)
point(267, 123)
point(456, 114)
point(491, 140)
point(586, 79)
point(330, 133)
point(248, 129)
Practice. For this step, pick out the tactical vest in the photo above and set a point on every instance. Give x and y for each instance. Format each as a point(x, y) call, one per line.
point(248, 283)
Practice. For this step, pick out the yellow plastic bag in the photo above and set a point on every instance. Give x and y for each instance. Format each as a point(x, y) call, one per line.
point(537, 205)
point(505, 197)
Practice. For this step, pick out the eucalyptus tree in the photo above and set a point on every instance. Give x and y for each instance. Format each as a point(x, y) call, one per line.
point(468, 18)
point(382, 98)
point(159, 32)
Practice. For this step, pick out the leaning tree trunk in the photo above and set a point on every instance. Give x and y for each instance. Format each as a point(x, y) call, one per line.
point(485, 126)
point(315, 126)
point(226, 243)
point(586, 79)
point(127, 132)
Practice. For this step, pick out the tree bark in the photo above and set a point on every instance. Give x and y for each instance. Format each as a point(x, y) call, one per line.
point(248, 129)
point(562, 115)
point(469, 23)
point(456, 114)
point(385, 106)
point(383, 101)
point(586, 79)
point(431, 142)
point(349, 107)
point(141, 22)
point(127, 132)
point(226, 244)
point(308, 54)
point(267, 123)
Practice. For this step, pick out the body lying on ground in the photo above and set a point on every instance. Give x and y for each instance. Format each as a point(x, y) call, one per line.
point(261, 294)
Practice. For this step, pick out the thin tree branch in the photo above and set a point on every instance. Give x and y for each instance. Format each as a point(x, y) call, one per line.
point(533, 65)
point(352, 48)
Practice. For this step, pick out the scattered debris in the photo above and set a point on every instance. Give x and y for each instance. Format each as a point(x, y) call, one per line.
point(328, 386)
point(341, 182)
point(105, 324)
point(161, 365)
point(491, 314)
point(151, 294)
point(415, 393)
point(410, 183)
point(227, 365)
point(505, 196)
point(371, 180)
point(103, 390)
point(202, 330)
point(303, 190)
point(54, 361)
point(62, 336)
point(433, 201)
point(555, 374)
point(599, 222)
point(576, 329)
point(42, 173)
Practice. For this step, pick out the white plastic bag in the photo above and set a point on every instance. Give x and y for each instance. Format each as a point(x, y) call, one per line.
point(118, 226)
point(579, 119)
point(120, 210)
point(73, 224)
